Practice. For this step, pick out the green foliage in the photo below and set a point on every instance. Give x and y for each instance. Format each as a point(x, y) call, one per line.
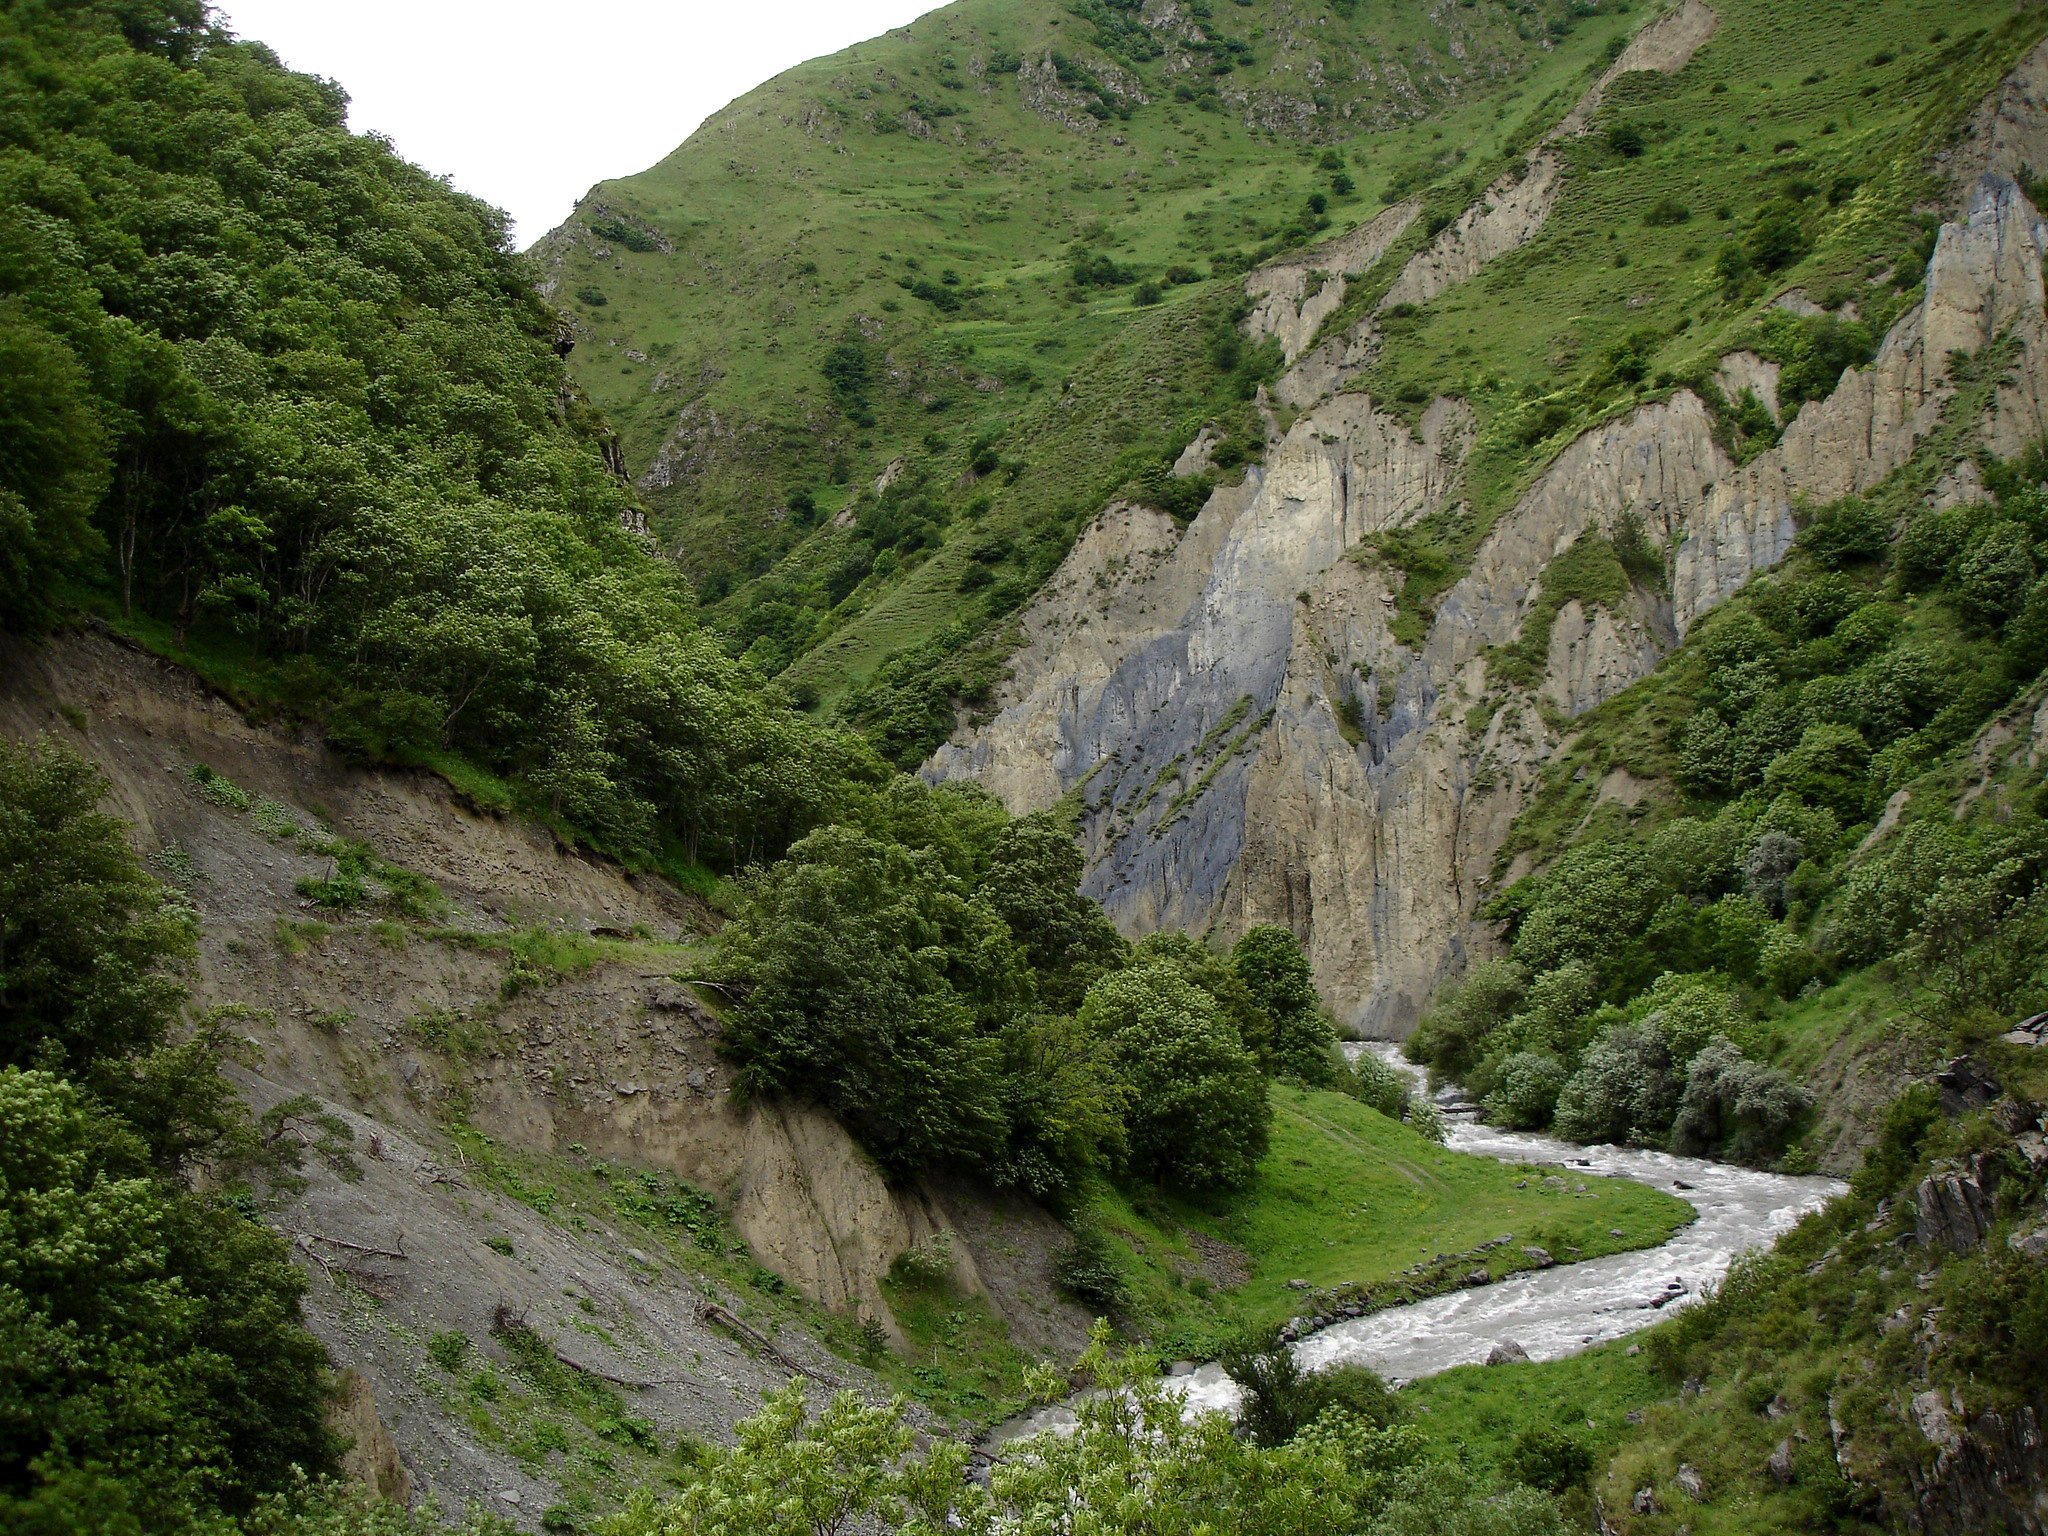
point(158, 1370)
point(1132, 1456)
point(1269, 961)
point(1197, 1116)
point(869, 980)
point(54, 467)
point(1086, 1271)
point(314, 411)
point(1549, 1458)
point(91, 948)
point(1032, 884)
point(1280, 1399)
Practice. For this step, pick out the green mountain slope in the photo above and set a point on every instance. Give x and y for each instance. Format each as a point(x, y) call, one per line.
point(874, 257)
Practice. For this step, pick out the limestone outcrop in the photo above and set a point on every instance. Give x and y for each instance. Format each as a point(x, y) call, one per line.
point(1253, 741)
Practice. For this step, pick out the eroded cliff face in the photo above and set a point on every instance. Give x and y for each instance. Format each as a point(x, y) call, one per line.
point(1251, 740)
point(617, 1062)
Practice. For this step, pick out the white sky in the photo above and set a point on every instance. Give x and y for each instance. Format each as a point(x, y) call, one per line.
point(528, 104)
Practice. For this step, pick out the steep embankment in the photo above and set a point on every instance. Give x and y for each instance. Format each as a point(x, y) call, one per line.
point(1325, 703)
point(491, 1020)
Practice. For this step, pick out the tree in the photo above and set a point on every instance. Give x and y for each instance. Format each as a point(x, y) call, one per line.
point(1196, 1115)
point(1525, 1090)
point(1624, 1090)
point(1032, 884)
point(53, 467)
point(1736, 1108)
point(867, 981)
point(157, 1369)
point(1269, 961)
point(90, 946)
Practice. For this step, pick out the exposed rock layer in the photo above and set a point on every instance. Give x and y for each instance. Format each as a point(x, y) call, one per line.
point(1257, 744)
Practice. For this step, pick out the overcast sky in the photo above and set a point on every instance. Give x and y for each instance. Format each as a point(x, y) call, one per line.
point(528, 105)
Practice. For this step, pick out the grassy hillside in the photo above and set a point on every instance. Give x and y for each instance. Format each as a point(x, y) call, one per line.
point(913, 213)
point(1022, 290)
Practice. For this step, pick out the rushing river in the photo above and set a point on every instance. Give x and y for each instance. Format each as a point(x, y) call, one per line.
point(1549, 1312)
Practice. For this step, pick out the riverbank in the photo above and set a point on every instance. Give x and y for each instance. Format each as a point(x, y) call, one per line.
point(1542, 1310)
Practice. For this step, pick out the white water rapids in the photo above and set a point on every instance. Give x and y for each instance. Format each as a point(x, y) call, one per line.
point(1549, 1312)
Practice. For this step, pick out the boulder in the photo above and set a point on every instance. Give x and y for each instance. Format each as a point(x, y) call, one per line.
point(1689, 1479)
point(1953, 1207)
point(1780, 1464)
point(1506, 1352)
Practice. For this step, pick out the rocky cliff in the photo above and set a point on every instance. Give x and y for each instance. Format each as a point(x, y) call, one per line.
point(1247, 738)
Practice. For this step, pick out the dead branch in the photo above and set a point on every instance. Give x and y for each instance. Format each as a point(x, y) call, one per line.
point(712, 1312)
point(342, 1242)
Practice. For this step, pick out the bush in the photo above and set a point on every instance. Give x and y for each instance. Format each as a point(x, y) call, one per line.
point(1549, 1458)
point(1452, 1037)
point(1736, 1108)
point(1375, 1084)
point(927, 1263)
point(1666, 211)
point(1777, 236)
point(1085, 1270)
point(1197, 1114)
point(1623, 1092)
point(1526, 1087)
point(1280, 1399)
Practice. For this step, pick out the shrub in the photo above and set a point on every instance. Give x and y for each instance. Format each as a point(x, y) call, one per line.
point(1197, 1114)
point(1624, 1090)
point(1526, 1087)
point(859, 970)
point(1626, 140)
point(1086, 1271)
point(1736, 1108)
point(1777, 236)
point(927, 1263)
point(1452, 1037)
point(1666, 211)
point(1549, 1458)
point(1375, 1084)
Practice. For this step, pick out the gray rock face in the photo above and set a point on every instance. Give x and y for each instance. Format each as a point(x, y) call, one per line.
point(1254, 743)
point(1954, 1208)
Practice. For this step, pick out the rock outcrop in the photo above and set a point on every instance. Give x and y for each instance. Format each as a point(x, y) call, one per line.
point(1292, 298)
point(1253, 740)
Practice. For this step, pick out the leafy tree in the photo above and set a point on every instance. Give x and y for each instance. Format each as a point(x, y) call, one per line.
point(1032, 884)
point(1777, 236)
point(53, 467)
point(1736, 1108)
point(1197, 1115)
point(90, 946)
point(1200, 966)
point(1525, 1091)
point(157, 1369)
point(864, 978)
point(1269, 961)
point(1623, 1091)
point(1453, 1036)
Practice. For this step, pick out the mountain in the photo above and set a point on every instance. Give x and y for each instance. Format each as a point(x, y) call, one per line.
point(633, 885)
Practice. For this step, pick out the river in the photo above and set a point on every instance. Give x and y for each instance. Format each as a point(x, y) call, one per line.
point(1548, 1312)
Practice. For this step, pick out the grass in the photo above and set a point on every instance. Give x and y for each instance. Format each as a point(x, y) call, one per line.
point(790, 224)
point(1474, 1413)
point(1348, 1197)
